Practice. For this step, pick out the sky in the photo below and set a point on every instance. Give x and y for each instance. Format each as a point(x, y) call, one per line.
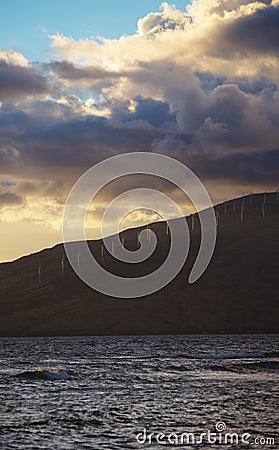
point(82, 81)
point(27, 25)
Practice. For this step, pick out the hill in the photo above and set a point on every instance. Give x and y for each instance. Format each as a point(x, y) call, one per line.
point(238, 293)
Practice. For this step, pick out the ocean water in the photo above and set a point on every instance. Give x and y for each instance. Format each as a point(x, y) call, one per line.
point(125, 391)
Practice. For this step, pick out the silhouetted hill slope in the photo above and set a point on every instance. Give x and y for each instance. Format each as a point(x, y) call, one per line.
point(238, 292)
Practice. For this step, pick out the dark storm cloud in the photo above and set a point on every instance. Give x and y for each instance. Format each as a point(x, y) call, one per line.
point(209, 81)
point(9, 198)
point(75, 142)
point(154, 112)
point(248, 84)
point(7, 183)
point(255, 33)
point(260, 168)
point(17, 80)
point(68, 70)
point(61, 152)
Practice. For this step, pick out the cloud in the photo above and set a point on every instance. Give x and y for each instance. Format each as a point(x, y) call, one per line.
point(89, 76)
point(66, 140)
point(256, 34)
point(200, 85)
point(9, 198)
point(13, 58)
point(154, 112)
point(169, 19)
point(68, 70)
point(17, 78)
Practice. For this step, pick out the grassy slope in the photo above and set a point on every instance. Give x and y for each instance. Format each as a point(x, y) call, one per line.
point(238, 292)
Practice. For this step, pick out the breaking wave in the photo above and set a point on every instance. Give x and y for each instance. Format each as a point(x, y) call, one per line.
point(40, 374)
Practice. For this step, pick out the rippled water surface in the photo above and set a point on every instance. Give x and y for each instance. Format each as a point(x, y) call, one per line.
point(123, 385)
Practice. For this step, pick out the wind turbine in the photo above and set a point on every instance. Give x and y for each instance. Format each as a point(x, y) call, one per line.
point(78, 258)
point(123, 241)
point(102, 252)
point(242, 210)
point(62, 265)
point(263, 210)
point(251, 197)
point(40, 272)
point(217, 217)
point(193, 222)
point(148, 232)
